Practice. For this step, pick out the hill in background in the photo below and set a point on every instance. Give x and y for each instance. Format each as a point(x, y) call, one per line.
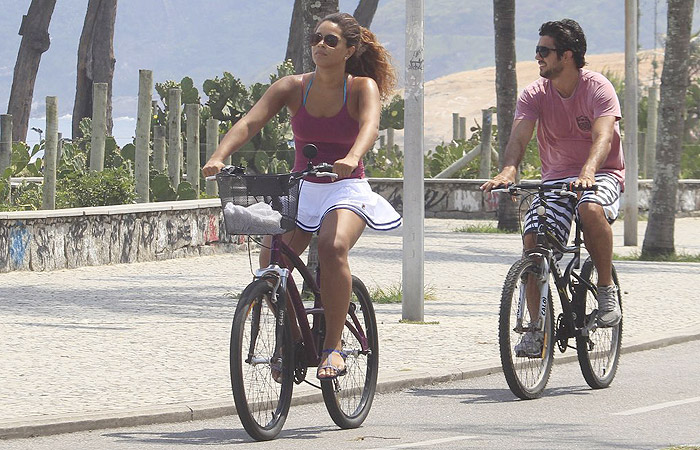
point(177, 38)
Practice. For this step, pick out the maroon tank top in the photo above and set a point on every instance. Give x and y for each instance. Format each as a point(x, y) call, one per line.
point(334, 136)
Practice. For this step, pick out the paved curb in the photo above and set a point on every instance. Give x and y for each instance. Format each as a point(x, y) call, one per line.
point(46, 426)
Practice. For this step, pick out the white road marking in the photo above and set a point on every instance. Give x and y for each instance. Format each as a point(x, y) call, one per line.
point(630, 412)
point(427, 443)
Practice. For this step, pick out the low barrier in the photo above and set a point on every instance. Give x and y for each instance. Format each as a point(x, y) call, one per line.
point(69, 238)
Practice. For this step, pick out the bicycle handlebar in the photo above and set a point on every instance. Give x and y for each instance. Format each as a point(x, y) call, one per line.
point(563, 188)
point(319, 170)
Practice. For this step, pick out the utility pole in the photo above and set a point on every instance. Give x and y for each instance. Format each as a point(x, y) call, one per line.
point(630, 141)
point(413, 188)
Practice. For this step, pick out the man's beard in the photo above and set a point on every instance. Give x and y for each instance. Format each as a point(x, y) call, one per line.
point(551, 73)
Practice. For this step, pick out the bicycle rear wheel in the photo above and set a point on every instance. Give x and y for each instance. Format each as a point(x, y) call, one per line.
point(526, 376)
point(598, 353)
point(256, 360)
point(349, 397)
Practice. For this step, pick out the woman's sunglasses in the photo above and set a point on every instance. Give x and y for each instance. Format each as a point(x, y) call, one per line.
point(330, 40)
point(544, 51)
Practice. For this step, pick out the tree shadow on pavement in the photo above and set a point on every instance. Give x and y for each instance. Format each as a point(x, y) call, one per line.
point(212, 436)
point(487, 396)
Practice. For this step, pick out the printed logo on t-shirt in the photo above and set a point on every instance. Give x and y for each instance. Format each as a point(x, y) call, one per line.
point(584, 123)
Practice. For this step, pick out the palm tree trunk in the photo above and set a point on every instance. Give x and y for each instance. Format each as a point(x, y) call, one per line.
point(95, 60)
point(312, 12)
point(506, 97)
point(296, 39)
point(658, 239)
point(35, 41)
point(364, 13)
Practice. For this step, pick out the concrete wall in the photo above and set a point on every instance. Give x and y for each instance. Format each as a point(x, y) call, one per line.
point(463, 199)
point(69, 238)
point(58, 239)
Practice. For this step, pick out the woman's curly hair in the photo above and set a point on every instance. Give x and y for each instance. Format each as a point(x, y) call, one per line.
point(370, 58)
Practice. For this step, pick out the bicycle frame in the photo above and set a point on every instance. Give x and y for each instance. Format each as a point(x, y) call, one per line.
point(546, 245)
point(311, 336)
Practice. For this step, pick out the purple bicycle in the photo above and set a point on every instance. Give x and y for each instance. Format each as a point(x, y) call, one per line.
point(265, 360)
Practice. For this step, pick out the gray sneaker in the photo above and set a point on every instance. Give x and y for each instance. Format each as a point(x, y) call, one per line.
point(609, 313)
point(530, 345)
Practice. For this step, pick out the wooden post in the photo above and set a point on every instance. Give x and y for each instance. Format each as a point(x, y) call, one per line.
point(463, 128)
point(193, 166)
point(49, 186)
point(59, 149)
point(630, 140)
point(652, 123)
point(159, 148)
point(390, 139)
point(212, 188)
point(99, 126)
point(143, 135)
point(5, 142)
point(412, 302)
point(455, 126)
point(174, 142)
point(485, 163)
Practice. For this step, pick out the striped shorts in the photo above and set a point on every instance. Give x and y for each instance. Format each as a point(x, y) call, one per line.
point(560, 212)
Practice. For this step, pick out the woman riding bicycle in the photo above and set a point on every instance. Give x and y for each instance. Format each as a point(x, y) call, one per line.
point(337, 108)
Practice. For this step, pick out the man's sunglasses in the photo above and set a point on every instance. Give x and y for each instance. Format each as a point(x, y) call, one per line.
point(330, 40)
point(544, 51)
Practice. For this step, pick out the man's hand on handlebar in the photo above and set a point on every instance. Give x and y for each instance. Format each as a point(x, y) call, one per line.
point(500, 180)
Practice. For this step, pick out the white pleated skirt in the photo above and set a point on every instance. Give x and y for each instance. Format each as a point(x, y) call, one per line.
point(318, 199)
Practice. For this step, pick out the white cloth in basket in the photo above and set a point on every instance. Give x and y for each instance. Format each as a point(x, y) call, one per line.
point(258, 218)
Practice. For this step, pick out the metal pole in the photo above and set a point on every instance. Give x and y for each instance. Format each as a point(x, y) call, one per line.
point(631, 171)
point(99, 126)
point(413, 183)
point(652, 124)
point(212, 142)
point(174, 142)
point(193, 166)
point(485, 162)
point(143, 135)
point(5, 142)
point(51, 144)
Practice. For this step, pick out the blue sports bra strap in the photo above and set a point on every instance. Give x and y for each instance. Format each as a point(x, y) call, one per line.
point(308, 88)
point(345, 89)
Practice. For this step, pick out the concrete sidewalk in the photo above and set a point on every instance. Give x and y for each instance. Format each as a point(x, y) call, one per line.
point(108, 346)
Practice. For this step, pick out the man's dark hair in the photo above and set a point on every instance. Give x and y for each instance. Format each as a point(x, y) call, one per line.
point(567, 35)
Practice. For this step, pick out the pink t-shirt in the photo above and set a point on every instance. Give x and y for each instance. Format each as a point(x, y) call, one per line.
point(564, 126)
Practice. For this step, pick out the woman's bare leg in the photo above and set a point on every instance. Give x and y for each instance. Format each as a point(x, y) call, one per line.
point(339, 232)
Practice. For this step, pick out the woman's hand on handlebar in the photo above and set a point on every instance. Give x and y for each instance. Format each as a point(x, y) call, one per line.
point(344, 167)
point(212, 167)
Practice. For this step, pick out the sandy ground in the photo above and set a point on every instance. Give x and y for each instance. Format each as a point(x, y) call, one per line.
point(467, 93)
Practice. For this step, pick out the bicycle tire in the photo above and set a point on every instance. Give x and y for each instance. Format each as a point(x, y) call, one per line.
point(261, 402)
point(349, 397)
point(526, 377)
point(599, 353)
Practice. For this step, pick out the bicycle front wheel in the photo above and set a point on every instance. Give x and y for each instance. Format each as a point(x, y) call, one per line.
point(349, 397)
point(262, 369)
point(598, 353)
point(527, 376)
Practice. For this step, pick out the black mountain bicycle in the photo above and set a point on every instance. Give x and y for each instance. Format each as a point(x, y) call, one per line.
point(265, 362)
point(598, 348)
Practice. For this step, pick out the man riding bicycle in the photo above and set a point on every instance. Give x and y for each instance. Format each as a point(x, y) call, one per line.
point(578, 136)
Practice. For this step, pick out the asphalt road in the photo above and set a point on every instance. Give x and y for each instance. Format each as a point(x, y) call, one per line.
point(653, 403)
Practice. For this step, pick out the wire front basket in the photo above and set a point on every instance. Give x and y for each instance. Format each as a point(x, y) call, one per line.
point(280, 192)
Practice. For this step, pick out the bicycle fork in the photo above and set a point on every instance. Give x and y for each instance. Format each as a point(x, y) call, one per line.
point(541, 279)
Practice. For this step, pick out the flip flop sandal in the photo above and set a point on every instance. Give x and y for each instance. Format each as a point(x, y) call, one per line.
point(337, 371)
